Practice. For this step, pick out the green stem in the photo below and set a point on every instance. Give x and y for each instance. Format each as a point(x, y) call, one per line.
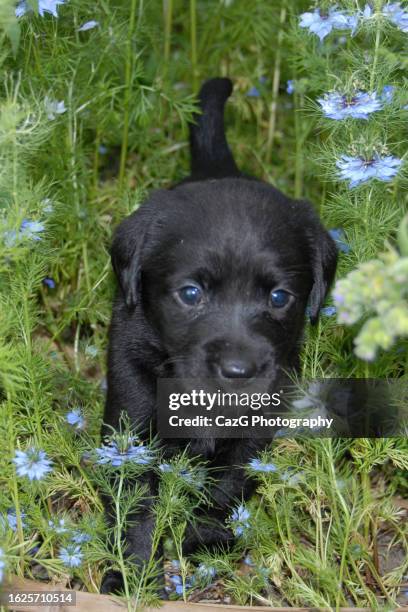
point(376, 51)
point(299, 146)
point(16, 498)
point(275, 88)
point(126, 100)
point(168, 22)
point(118, 539)
point(193, 38)
point(340, 596)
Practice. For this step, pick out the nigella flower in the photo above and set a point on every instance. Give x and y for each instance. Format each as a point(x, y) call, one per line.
point(240, 520)
point(322, 23)
point(397, 15)
point(359, 170)
point(91, 350)
point(248, 561)
point(89, 25)
point(75, 418)
point(71, 555)
point(184, 473)
point(48, 206)
point(58, 525)
point(53, 108)
point(177, 582)
point(358, 106)
point(31, 229)
point(290, 478)
point(326, 311)
point(260, 466)
point(49, 282)
point(122, 450)
point(253, 92)
point(32, 463)
point(290, 86)
point(11, 519)
point(339, 238)
point(206, 572)
point(387, 93)
point(2, 564)
point(44, 6)
point(80, 537)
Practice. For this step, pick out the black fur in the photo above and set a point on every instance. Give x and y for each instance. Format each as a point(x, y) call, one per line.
point(238, 238)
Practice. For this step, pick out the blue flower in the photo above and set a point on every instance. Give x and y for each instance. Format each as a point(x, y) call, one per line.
point(11, 519)
point(75, 418)
point(80, 537)
point(177, 582)
point(89, 25)
point(120, 451)
point(91, 350)
point(397, 15)
point(71, 555)
point(248, 561)
point(176, 579)
point(290, 86)
point(206, 572)
point(321, 23)
point(339, 238)
point(387, 93)
point(32, 463)
point(240, 520)
point(29, 230)
point(253, 92)
point(49, 282)
point(358, 106)
point(184, 473)
point(290, 478)
point(44, 6)
point(359, 170)
point(58, 525)
point(53, 108)
point(2, 564)
point(103, 149)
point(48, 206)
point(326, 311)
point(260, 466)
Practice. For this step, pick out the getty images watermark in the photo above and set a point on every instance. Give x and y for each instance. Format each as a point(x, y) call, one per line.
point(351, 408)
point(208, 401)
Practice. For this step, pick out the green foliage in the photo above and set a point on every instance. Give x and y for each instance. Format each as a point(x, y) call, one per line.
point(90, 122)
point(377, 288)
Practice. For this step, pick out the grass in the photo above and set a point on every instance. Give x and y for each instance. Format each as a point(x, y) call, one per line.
point(325, 529)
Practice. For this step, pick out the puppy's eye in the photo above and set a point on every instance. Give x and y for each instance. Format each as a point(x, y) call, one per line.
point(190, 295)
point(280, 298)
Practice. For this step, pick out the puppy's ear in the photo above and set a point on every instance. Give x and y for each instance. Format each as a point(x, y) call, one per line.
point(324, 261)
point(127, 248)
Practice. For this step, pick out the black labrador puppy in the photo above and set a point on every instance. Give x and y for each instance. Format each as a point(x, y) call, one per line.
point(214, 278)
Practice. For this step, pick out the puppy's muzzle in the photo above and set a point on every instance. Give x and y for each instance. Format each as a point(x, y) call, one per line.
point(228, 361)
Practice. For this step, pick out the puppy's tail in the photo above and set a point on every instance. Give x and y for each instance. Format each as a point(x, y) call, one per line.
point(210, 153)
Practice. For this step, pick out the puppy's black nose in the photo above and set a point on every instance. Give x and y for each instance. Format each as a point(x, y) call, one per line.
point(236, 367)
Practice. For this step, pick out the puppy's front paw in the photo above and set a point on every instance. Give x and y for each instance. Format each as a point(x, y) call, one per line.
point(112, 582)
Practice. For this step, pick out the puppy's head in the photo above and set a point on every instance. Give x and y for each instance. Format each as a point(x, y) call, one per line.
point(223, 270)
